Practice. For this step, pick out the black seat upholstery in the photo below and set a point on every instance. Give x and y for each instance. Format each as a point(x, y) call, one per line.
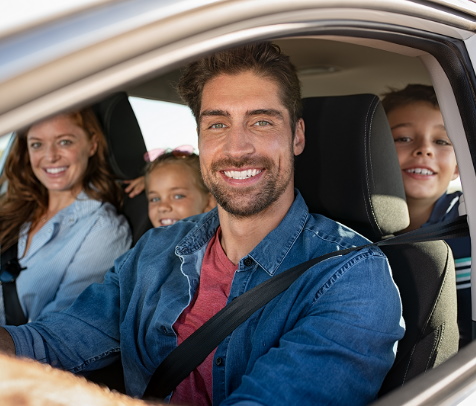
point(126, 152)
point(126, 156)
point(349, 172)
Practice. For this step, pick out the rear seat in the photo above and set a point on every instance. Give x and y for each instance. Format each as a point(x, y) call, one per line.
point(126, 151)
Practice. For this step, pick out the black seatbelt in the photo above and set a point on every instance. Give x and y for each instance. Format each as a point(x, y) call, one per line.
point(10, 269)
point(193, 351)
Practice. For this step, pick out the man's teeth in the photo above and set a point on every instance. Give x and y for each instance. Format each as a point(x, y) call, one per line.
point(420, 171)
point(55, 170)
point(242, 174)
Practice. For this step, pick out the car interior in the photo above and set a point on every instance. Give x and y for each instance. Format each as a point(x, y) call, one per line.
point(360, 185)
point(343, 78)
point(126, 154)
point(349, 172)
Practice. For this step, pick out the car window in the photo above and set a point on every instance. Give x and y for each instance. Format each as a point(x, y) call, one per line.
point(4, 142)
point(338, 51)
point(164, 124)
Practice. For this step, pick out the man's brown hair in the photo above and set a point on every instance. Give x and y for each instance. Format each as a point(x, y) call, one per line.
point(264, 59)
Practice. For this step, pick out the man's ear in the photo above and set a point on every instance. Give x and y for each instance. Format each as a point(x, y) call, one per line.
point(299, 139)
point(456, 174)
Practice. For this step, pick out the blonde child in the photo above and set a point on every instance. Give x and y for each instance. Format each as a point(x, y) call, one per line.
point(428, 164)
point(175, 189)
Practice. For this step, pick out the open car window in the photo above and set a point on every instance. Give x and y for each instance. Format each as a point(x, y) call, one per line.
point(165, 124)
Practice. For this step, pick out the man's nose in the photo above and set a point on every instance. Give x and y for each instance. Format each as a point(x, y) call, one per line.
point(238, 142)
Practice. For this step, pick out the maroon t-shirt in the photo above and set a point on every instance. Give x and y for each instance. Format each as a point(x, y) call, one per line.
point(211, 296)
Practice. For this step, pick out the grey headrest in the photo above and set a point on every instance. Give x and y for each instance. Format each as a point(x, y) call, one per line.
point(349, 169)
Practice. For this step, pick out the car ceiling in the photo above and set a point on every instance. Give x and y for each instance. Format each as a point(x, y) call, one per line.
point(325, 67)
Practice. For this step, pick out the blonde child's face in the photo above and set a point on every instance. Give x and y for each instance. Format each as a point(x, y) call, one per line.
point(425, 152)
point(172, 194)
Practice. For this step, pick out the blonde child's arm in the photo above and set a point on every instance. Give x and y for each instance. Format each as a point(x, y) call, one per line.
point(134, 186)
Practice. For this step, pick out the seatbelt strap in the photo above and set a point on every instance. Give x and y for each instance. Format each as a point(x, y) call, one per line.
point(193, 351)
point(10, 269)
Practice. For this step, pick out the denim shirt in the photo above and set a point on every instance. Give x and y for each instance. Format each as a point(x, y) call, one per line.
point(329, 338)
point(73, 249)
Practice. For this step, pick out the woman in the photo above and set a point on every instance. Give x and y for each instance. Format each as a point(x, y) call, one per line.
point(61, 209)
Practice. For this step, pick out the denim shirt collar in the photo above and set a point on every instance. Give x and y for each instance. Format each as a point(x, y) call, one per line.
point(81, 207)
point(270, 252)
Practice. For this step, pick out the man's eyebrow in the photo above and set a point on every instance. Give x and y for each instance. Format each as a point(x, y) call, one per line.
point(257, 112)
point(265, 112)
point(211, 113)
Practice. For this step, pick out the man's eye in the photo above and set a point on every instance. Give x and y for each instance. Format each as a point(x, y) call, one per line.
point(218, 125)
point(262, 123)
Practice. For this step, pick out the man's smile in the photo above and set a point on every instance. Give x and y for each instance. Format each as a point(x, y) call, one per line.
point(242, 174)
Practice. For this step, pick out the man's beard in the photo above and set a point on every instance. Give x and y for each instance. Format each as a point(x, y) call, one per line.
point(248, 201)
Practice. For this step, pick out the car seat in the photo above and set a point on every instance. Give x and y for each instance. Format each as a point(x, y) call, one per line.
point(126, 148)
point(349, 172)
point(126, 154)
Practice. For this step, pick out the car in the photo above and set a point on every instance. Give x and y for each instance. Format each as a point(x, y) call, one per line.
point(138, 47)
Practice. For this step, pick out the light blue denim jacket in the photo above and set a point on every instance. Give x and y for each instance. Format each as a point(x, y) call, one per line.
point(328, 339)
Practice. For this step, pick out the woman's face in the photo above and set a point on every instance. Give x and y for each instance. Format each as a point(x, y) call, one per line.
point(59, 151)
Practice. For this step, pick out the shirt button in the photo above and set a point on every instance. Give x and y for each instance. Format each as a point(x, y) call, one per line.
point(248, 261)
point(219, 361)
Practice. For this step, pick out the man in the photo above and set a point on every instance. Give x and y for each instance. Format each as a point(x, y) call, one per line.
point(329, 338)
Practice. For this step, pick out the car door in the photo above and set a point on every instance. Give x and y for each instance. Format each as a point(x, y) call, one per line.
point(339, 47)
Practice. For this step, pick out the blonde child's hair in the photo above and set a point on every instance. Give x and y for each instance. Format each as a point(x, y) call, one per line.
point(188, 159)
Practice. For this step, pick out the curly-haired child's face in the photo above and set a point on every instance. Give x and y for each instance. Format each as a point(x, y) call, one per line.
point(425, 153)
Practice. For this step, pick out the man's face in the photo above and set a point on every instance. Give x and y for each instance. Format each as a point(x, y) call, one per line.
point(246, 143)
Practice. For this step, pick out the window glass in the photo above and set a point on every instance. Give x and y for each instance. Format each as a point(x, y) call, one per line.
point(165, 125)
point(4, 139)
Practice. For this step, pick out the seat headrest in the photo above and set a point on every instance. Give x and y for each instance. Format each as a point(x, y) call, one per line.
point(349, 169)
point(124, 136)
